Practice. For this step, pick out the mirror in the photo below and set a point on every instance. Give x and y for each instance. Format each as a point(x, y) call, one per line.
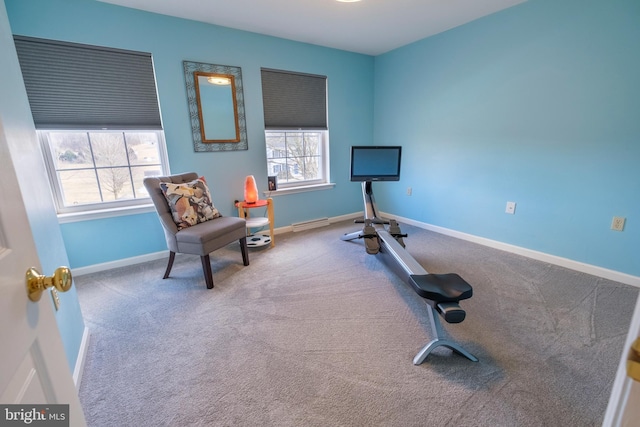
point(216, 106)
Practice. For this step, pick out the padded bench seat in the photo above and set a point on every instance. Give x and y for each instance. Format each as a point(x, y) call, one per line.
point(443, 291)
point(441, 287)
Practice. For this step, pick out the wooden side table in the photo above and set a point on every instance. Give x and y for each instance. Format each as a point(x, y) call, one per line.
point(256, 222)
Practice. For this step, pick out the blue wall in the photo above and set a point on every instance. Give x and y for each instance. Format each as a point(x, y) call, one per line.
point(171, 41)
point(537, 104)
point(109, 239)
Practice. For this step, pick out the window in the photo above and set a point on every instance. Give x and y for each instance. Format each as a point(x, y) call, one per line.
point(101, 169)
point(296, 131)
point(297, 157)
point(98, 119)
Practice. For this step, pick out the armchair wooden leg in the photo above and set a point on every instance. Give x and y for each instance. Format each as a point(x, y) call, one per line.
point(172, 257)
point(245, 252)
point(206, 268)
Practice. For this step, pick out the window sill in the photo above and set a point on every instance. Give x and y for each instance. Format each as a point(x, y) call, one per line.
point(104, 213)
point(301, 189)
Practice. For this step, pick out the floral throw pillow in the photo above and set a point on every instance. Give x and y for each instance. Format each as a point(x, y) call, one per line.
point(190, 202)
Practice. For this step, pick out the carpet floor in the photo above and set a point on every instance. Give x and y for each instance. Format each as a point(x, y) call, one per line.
point(315, 332)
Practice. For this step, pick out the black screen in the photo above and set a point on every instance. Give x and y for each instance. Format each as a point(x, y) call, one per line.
point(375, 163)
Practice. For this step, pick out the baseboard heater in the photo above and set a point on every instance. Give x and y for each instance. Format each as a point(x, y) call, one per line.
point(308, 225)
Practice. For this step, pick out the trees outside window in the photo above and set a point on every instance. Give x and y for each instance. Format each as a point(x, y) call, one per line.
point(103, 168)
point(296, 157)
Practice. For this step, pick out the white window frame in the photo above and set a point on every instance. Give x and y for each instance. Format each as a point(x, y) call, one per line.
point(305, 185)
point(105, 209)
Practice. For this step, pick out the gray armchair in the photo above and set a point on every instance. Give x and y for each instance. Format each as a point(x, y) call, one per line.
point(201, 238)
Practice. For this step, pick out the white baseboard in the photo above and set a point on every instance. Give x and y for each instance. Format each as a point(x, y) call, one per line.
point(340, 218)
point(80, 360)
point(119, 263)
point(332, 220)
point(80, 271)
point(616, 276)
point(605, 273)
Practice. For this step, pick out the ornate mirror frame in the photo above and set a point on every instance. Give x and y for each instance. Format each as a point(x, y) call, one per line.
point(193, 70)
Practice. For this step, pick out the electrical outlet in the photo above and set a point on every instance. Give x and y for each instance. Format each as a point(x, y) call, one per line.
point(409, 191)
point(618, 223)
point(511, 208)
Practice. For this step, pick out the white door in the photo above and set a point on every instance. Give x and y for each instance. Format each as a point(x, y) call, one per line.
point(624, 404)
point(33, 366)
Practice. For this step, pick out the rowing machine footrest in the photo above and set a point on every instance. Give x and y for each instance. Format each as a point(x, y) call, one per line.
point(441, 287)
point(451, 312)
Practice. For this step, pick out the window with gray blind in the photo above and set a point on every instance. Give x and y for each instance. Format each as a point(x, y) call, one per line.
point(77, 86)
point(296, 131)
point(97, 116)
point(293, 100)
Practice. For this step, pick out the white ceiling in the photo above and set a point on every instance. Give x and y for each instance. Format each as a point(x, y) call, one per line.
point(370, 26)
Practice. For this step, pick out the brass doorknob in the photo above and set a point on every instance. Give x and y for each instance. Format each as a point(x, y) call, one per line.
point(37, 283)
point(633, 362)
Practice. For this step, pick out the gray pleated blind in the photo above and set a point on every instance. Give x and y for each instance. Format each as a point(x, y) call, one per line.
point(75, 86)
point(293, 100)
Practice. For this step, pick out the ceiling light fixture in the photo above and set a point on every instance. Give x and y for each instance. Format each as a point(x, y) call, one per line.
point(347, 1)
point(220, 81)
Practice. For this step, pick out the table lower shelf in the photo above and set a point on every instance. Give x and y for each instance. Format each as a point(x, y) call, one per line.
point(258, 240)
point(255, 236)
